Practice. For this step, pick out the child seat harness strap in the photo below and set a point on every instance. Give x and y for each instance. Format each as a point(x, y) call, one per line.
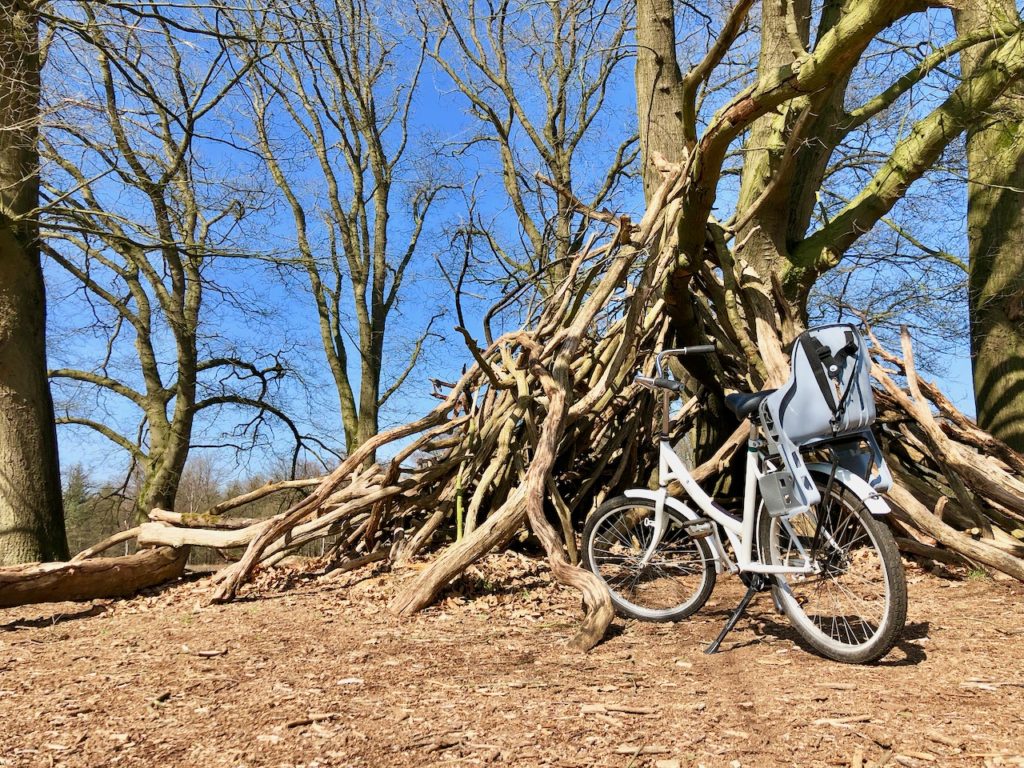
point(829, 371)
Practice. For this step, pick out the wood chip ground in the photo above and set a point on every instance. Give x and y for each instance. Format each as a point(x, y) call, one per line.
point(306, 673)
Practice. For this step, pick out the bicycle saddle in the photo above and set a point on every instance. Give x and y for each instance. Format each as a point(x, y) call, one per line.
point(745, 404)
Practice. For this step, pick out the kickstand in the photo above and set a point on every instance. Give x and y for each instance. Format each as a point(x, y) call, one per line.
point(758, 583)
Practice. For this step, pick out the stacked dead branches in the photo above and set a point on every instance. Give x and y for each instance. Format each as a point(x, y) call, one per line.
point(959, 494)
point(548, 421)
point(506, 441)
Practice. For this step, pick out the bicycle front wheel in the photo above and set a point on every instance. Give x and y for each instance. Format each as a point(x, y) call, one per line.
point(674, 583)
point(854, 608)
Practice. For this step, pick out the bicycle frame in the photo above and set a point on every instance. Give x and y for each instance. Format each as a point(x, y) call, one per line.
point(739, 532)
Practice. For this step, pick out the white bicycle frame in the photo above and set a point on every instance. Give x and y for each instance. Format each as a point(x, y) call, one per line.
point(739, 532)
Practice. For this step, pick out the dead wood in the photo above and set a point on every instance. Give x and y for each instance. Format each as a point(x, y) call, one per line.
point(548, 422)
point(90, 579)
point(161, 534)
point(914, 547)
point(201, 520)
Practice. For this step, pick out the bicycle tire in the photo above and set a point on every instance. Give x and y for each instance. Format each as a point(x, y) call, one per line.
point(674, 584)
point(860, 565)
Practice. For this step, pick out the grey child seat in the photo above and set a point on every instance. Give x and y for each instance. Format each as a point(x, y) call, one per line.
point(828, 398)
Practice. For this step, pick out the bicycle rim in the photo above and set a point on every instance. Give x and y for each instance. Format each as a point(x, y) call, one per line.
point(673, 584)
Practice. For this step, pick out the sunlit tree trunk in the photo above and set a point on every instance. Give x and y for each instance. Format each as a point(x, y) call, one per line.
point(31, 517)
point(665, 136)
point(659, 89)
point(995, 230)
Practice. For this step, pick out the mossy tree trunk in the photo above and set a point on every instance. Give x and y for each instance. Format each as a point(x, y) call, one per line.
point(995, 230)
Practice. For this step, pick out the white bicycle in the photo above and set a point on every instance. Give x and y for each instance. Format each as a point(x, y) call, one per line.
point(832, 568)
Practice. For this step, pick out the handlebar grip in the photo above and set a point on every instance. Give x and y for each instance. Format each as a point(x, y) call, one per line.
point(675, 386)
point(702, 349)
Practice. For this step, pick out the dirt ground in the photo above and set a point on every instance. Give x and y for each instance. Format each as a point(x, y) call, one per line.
point(315, 673)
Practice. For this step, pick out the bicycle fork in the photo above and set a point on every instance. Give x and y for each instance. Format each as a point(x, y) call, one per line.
point(660, 518)
point(659, 524)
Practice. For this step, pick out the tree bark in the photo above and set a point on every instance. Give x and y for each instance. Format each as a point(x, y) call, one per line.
point(90, 579)
point(659, 89)
point(496, 530)
point(31, 514)
point(666, 134)
point(995, 230)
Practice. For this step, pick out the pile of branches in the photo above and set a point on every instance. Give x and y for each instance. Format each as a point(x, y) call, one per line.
point(959, 492)
point(548, 422)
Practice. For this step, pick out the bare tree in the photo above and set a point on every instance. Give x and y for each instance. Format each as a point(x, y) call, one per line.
point(536, 80)
point(142, 226)
point(340, 81)
point(31, 520)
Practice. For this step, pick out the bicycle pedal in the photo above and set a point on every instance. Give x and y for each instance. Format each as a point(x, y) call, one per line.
point(700, 530)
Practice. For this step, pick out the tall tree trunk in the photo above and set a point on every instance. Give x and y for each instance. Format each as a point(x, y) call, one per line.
point(659, 89)
point(995, 161)
point(767, 165)
point(31, 516)
point(661, 103)
point(165, 466)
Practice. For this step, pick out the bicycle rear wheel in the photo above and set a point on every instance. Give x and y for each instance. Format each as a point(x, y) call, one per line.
point(677, 579)
point(854, 608)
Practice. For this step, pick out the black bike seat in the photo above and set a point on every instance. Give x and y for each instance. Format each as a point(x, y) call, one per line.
point(745, 404)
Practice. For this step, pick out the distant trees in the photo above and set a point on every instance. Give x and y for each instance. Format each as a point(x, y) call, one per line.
point(330, 90)
point(31, 524)
point(95, 508)
point(93, 511)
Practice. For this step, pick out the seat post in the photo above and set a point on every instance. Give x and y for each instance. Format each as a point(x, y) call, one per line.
point(755, 435)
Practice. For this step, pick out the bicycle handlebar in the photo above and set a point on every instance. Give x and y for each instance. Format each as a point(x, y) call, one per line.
point(666, 384)
point(700, 349)
point(660, 383)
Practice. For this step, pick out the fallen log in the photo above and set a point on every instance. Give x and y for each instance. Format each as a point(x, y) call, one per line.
point(91, 579)
point(914, 547)
point(161, 534)
point(979, 550)
point(118, 538)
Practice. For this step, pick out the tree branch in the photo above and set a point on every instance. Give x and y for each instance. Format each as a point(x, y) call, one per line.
point(909, 161)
